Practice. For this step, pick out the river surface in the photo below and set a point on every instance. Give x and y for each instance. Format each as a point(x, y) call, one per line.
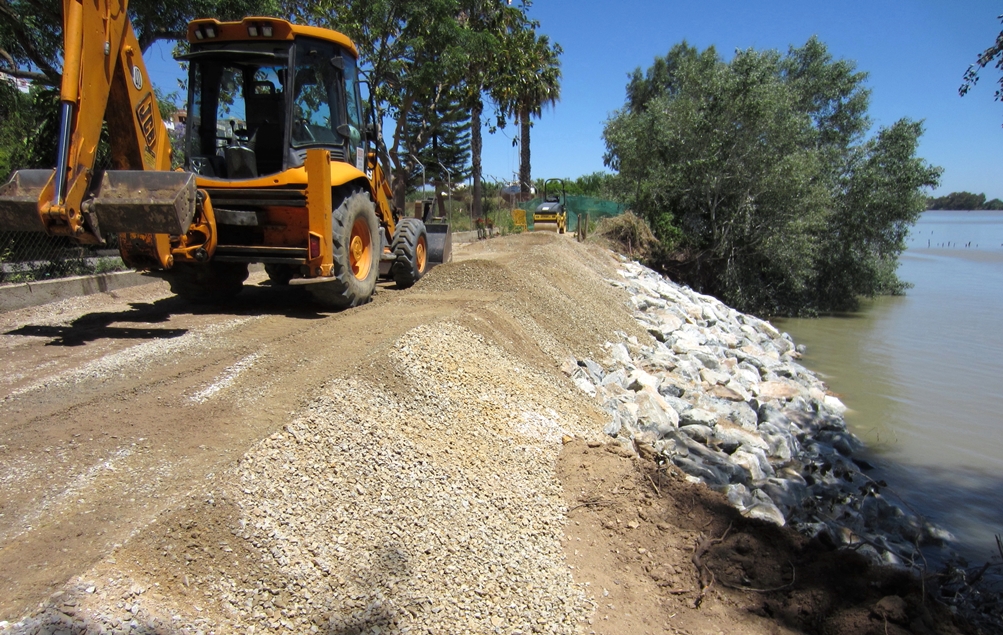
point(923, 376)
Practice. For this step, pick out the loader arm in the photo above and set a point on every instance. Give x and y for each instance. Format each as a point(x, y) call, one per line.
point(104, 79)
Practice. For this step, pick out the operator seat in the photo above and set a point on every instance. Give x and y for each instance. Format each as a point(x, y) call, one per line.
point(266, 126)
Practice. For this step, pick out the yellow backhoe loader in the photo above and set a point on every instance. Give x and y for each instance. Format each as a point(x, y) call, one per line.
point(281, 167)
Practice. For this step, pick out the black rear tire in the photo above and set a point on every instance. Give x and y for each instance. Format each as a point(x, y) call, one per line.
point(280, 274)
point(410, 249)
point(356, 242)
point(208, 283)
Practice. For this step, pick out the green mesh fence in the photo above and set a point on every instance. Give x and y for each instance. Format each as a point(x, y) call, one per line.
point(596, 208)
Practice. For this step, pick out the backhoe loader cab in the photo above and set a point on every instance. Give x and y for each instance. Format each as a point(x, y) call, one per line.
point(263, 92)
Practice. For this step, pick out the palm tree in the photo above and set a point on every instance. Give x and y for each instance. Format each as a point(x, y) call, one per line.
point(491, 26)
point(536, 84)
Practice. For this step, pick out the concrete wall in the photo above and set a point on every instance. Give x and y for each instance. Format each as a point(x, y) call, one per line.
point(19, 296)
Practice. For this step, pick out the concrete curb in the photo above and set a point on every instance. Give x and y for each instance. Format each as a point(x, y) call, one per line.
point(20, 296)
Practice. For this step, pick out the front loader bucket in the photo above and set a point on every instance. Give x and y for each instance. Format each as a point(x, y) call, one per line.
point(122, 201)
point(440, 242)
point(144, 201)
point(19, 201)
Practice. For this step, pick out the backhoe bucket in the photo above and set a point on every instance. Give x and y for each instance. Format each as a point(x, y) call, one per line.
point(144, 202)
point(19, 201)
point(440, 242)
point(122, 201)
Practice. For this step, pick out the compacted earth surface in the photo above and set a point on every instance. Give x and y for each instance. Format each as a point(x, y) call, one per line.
point(422, 464)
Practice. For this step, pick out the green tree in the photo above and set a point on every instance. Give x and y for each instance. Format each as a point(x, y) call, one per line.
point(868, 228)
point(31, 48)
point(408, 47)
point(31, 31)
point(29, 127)
point(756, 178)
point(992, 55)
point(439, 138)
point(31, 39)
point(14, 121)
point(597, 184)
point(492, 29)
point(532, 82)
point(959, 201)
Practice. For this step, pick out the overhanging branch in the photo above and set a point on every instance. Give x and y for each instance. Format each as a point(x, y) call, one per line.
point(15, 24)
point(35, 77)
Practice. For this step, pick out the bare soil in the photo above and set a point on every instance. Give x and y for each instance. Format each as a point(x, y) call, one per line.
point(664, 555)
point(117, 409)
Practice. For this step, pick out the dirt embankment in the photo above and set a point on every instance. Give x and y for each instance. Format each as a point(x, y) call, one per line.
point(420, 464)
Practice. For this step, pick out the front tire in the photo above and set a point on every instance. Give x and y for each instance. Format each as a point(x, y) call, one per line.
point(280, 274)
point(207, 283)
point(410, 249)
point(356, 242)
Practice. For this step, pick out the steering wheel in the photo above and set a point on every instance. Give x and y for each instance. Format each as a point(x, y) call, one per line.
point(303, 125)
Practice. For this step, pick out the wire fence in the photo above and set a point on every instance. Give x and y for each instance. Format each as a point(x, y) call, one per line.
point(595, 208)
point(34, 256)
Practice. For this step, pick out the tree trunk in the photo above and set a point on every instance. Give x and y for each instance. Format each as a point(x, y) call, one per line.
point(399, 179)
point(525, 180)
point(439, 202)
point(475, 155)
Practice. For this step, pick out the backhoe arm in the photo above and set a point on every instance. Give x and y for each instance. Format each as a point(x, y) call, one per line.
point(104, 79)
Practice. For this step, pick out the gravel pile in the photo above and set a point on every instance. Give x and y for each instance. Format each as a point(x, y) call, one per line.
point(435, 509)
point(439, 508)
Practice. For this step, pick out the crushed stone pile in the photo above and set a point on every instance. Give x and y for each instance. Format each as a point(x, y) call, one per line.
point(429, 510)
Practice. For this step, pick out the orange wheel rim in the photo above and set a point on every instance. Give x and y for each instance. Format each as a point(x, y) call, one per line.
point(421, 254)
point(360, 249)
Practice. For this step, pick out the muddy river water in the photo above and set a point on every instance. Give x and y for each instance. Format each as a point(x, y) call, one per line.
point(923, 375)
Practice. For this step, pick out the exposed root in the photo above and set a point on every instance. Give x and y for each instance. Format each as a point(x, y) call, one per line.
point(755, 590)
point(704, 575)
point(657, 492)
point(591, 503)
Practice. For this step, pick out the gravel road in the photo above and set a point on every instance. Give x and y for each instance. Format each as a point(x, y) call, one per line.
point(271, 466)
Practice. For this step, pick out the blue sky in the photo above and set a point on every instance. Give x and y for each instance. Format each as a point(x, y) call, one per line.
point(914, 52)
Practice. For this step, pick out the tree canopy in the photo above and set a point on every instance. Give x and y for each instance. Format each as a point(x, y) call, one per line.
point(760, 180)
point(963, 201)
point(31, 31)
